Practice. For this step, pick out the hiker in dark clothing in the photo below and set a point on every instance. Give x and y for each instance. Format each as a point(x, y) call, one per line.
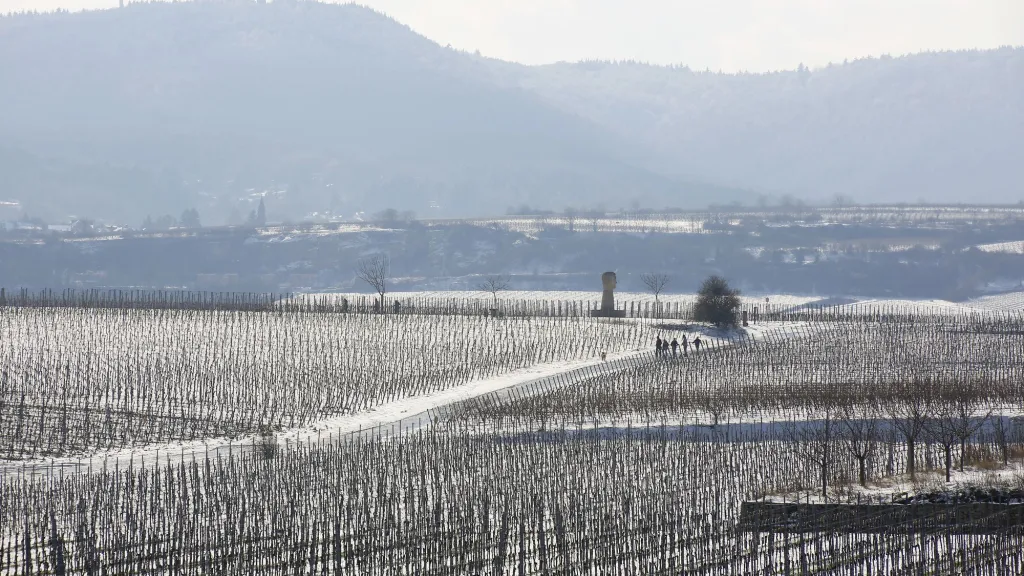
point(686, 345)
point(675, 347)
point(398, 306)
point(657, 346)
point(696, 344)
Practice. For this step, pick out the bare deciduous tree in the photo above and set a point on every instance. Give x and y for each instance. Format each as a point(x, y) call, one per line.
point(495, 284)
point(909, 408)
point(842, 201)
point(941, 429)
point(1001, 435)
point(714, 403)
point(859, 434)
point(968, 416)
point(815, 442)
point(656, 285)
point(375, 271)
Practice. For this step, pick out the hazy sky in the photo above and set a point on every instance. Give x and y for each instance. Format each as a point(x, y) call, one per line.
point(730, 35)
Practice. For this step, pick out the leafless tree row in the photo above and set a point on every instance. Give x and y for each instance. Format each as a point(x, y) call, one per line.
point(839, 394)
point(807, 367)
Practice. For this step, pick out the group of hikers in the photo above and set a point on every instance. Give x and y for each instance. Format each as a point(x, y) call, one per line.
point(662, 347)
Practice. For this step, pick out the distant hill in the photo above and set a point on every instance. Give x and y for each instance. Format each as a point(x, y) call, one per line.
point(946, 127)
point(52, 186)
point(158, 107)
point(328, 106)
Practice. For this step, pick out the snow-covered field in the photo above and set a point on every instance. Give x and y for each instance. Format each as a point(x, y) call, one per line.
point(620, 297)
point(91, 380)
point(645, 224)
point(854, 306)
point(905, 306)
point(398, 416)
point(1008, 302)
point(634, 465)
point(592, 297)
point(987, 474)
point(1016, 247)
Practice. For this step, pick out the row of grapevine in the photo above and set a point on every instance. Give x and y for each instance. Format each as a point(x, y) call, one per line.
point(807, 366)
point(458, 503)
point(76, 380)
point(473, 304)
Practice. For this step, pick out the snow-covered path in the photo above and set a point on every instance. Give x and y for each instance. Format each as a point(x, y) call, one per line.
point(408, 414)
point(399, 416)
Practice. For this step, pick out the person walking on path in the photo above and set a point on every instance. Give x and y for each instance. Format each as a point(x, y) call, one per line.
point(686, 346)
point(657, 347)
point(675, 347)
point(696, 344)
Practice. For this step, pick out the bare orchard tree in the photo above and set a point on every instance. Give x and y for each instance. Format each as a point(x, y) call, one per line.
point(714, 402)
point(969, 415)
point(656, 285)
point(815, 441)
point(376, 271)
point(909, 408)
point(1001, 434)
point(859, 434)
point(495, 284)
point(941, 429)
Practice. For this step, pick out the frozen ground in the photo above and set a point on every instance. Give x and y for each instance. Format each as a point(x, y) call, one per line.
point(1007, 302)
point(1003, 247)
point(904, 306)
point(884, 490)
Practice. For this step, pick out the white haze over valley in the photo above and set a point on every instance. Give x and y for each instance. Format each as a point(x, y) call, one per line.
point(726, 35)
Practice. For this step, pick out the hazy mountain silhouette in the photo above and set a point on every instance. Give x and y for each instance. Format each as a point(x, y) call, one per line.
point(68, 189)
point(945, 127)
point(159, 107)
point(335, 106)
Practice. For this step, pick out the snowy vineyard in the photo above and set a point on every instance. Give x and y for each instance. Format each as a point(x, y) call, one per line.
point(639, 465)
point(457, 504)
point(75, 380)
point(807, 367)
point(521, 303)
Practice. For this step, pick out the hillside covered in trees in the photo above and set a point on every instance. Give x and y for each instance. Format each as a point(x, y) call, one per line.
point(943, 127)
point(156, 108)
point(334, 107)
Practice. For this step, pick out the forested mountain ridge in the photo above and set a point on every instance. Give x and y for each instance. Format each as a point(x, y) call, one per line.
point(166, 106)
point(945, 127)
point(337, 107)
